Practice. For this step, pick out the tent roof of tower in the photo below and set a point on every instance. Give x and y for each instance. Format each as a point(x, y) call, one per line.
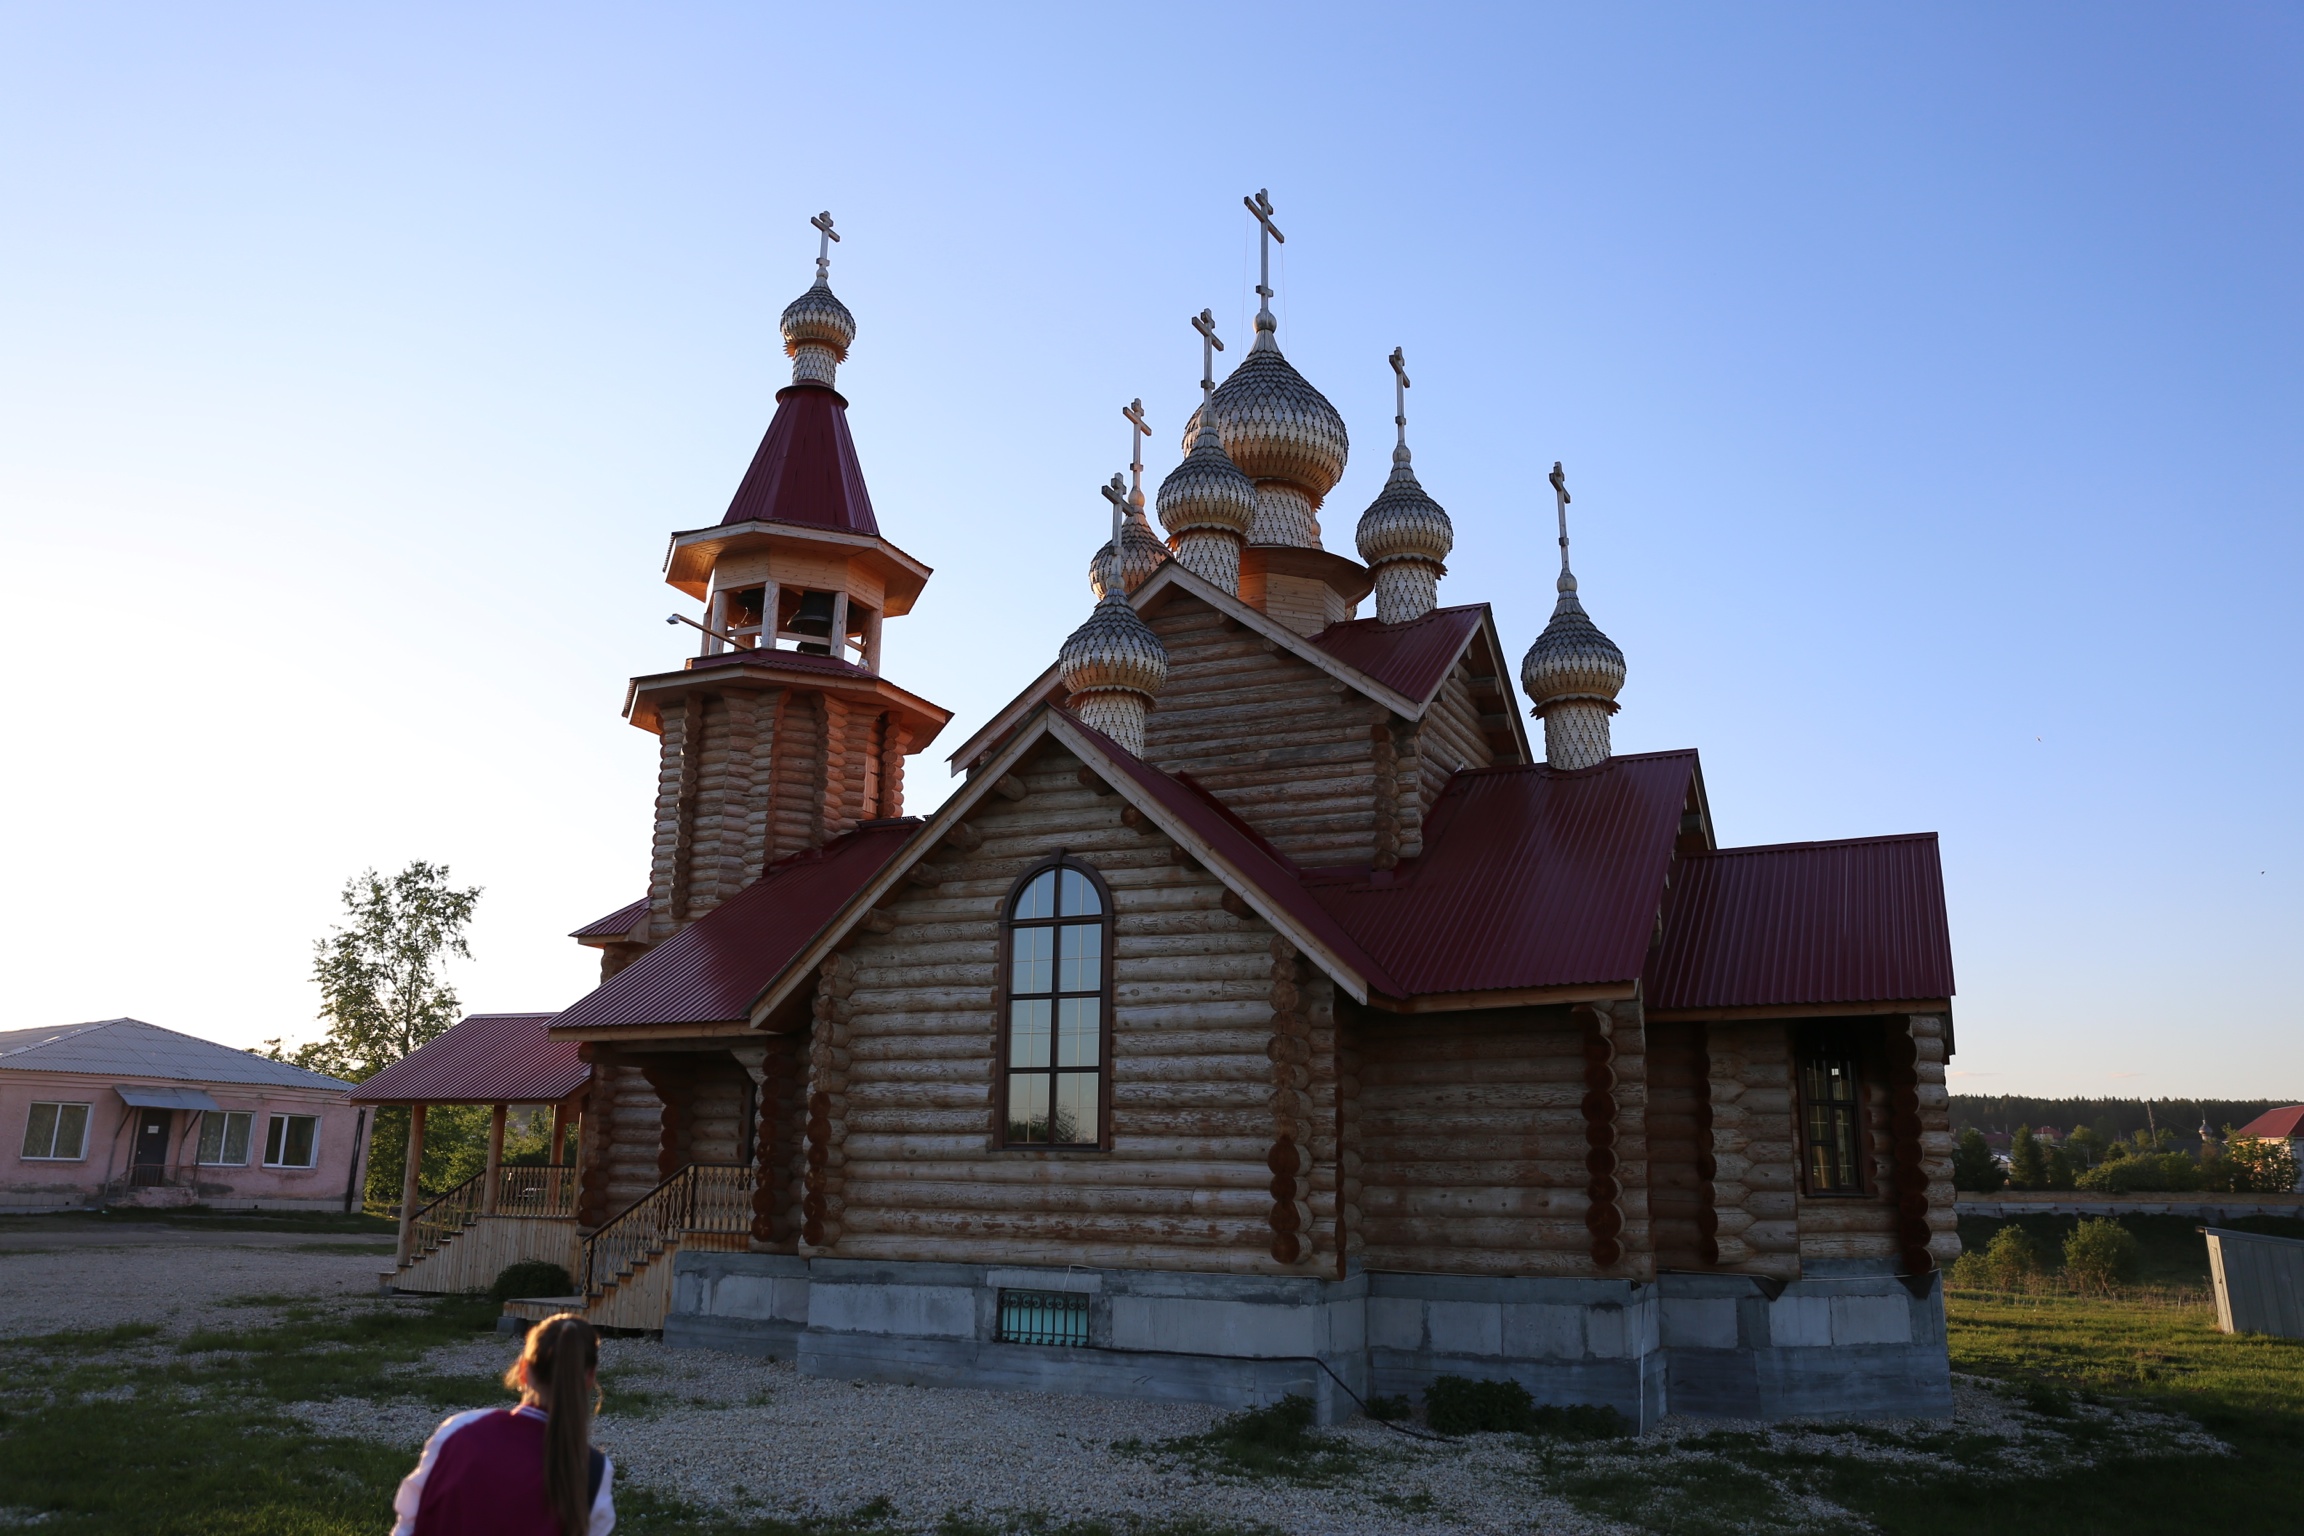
point(1858, 924)
point(710, 971)
point(806, 469)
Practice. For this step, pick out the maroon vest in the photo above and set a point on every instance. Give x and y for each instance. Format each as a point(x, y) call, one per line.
point(488, 1480)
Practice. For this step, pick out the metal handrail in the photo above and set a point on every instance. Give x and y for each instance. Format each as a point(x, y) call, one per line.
point(709, 1198)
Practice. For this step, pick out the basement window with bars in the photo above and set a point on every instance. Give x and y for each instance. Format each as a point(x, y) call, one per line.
point(1831, 1104)
point(1043, 1317)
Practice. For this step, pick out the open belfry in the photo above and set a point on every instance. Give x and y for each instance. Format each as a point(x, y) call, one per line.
point(1266, 1012)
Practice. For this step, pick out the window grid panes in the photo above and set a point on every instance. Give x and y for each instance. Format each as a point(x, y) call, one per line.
point(1829, 1096)
point(1043, 1317)
point(289, 1141)
point(1056, 1002)
point(224, 1137)
point(56, 1132)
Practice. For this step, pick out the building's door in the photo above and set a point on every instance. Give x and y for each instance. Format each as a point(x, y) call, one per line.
point(150, 1158)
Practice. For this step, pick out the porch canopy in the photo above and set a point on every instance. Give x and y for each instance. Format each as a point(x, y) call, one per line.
point(497, 1059)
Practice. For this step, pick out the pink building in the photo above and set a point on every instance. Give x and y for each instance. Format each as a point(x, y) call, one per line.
point(126, 1113)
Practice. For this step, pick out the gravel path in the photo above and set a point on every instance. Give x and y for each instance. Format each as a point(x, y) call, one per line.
point(54, 1279)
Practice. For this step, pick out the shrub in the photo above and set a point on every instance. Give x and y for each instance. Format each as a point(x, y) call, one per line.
point(1455, 1405)
point(2100, 1254)
point(531, 1277)
point(1582, 1421)
point(1389, 1410)
point(2010, 1260)
point(1974, 1168)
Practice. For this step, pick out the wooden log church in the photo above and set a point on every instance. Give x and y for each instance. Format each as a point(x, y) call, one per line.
point(1265, 1013)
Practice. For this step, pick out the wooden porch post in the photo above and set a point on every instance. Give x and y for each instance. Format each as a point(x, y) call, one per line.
point(495, 1158)
point(560, 1116)
point(408, 1183)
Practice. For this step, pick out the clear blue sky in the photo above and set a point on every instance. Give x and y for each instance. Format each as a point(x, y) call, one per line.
point(1929, 378)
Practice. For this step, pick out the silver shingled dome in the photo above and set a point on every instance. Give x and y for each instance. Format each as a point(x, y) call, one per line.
point(1571, 659)
point(1276, 426)
point(816, 316)
point(1114, 652)
point(1141, 553)
point(1403, 523)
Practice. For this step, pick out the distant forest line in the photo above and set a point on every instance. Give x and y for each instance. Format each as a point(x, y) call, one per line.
point(2114, 1119)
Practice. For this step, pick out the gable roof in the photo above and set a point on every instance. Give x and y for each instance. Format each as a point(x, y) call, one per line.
point(617, 924)
point(133, 1048)
point(1400, 666)
point(1414, 658)
point(2276, 1125)
point(806, 470)
point(1806, 925)
point(488, 1058)
point(711, 971)
point(1531, 878)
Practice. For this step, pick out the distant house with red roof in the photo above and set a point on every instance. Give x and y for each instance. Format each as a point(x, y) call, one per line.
point(2281, 1125)
point(1263, 1013)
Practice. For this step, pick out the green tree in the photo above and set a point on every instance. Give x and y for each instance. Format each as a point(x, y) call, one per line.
point(2261, 1167)
point(2027, 1165)
point(2059, 1173)
point(2085, 1146)
point(381, 991)
point(1974, 1168)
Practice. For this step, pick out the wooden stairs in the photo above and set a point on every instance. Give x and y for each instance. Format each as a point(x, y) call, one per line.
point(626, 1271)
point(462, 1241)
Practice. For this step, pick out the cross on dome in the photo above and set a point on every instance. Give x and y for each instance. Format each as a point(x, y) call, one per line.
point(817, 327)
point(1261, 207)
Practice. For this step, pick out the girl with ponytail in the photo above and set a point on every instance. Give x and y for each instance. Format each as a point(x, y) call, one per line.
point(524, 1471)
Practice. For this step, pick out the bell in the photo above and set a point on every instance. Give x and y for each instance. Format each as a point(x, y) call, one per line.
point(813, 617)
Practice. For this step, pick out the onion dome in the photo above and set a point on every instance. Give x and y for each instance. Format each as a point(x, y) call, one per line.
point(1283, 435)
point(1404, 537)
point(1573, 673)
point(1207, 495)
point(1113, 667)
point(1141, 553)
point(818, 329)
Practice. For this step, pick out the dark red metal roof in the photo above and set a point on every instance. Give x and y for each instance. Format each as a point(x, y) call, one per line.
point(712, 971)
point(1529, 878)
point(616, 924)
point(1806, 924)
point(2276, 1125)
point(806, 469)
point(489, 1058)
point(1411, 659)
point(797, 661)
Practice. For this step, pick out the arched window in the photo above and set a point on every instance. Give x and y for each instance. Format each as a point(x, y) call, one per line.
point(1056, 974)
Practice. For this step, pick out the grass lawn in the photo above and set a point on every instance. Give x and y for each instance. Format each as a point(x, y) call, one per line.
point(200, 1218)
point(128, 1431)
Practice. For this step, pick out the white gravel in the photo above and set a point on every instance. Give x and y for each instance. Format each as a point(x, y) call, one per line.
point(78, 1279)
point(754, 1436)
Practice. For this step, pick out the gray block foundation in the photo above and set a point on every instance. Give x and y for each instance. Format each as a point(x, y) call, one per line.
point(1848, 1345)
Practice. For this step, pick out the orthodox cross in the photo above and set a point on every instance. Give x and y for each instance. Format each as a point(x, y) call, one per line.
point(1117, 494)
point(1261, 206)
point(1137, 427)
point(1205, 323)
point(1560, 491)
point(827, 234)
point(1400, 394)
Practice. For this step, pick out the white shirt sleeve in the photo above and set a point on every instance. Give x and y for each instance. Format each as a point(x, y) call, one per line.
point(412, 1486)
point(604, 1507)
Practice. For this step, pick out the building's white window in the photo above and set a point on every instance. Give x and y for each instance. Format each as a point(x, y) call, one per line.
point(292, 1141)
point(57, 1132)
point(224, 1137)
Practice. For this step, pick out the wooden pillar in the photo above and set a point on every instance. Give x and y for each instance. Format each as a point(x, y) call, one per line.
point(408, 1181)
point(495, 1158)
point(561, 1113)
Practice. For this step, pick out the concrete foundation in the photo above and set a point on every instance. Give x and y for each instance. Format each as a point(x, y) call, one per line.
point(1830, 1346)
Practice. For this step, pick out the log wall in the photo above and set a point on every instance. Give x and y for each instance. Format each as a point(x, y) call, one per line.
point(621, 1141)
point(1288, 748)
point(901, 1158)
point(1680, 1164)
point(1473, 1148)
point(1756, 1175)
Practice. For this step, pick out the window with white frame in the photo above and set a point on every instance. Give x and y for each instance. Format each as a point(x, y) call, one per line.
point(292, 1141)
point(224, 1137)
point(56, 1132)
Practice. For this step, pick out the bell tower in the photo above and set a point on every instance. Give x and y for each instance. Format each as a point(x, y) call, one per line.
point(781, 733)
